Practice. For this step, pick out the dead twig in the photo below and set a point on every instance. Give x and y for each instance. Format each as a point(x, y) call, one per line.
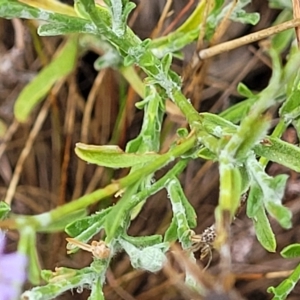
point(247, 39)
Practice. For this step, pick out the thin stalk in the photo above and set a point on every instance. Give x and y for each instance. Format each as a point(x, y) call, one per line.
point(43, 220)
point(247, 39)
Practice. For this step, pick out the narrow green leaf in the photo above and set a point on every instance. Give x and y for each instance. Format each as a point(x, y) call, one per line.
point(63, 29)
point(290, 111)
point(291, 251)
point(97, 292)
point(142, 241)
point(4, 210)
point(243, 140)
point(194, 19)
point(284, 288)
point(217, 125)
point(85, 232)
point(85, 229)
point(206, 154)
point(236, 14)
point(264, 231)
point(280, 4)
point(14, 9)
point(27, 245)
point(246, 18)
point(76, 227)
point(116, 222)
point(166, 62)
point(38, 88)
point(171, 232)
point(282, 40)
point(279, 151)
point(290, 108)
point(296, 124)
point(85, 236)
point(34, 263)
point(240, 15)
point(243, 90)
point(62, 280)
point(246, 138)
point(245, 179)
point(279, 212)
point(180, 212)
point(182, 133)
point(182, 36)
point(255, 200)
point(80, 10)
point(129, 7)
point(292, 66)
point(100, 16)
point(272, 148)
point(111, 59)
point(119, 10)
point(112, 156)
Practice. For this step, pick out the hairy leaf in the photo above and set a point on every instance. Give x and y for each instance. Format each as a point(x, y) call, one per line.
point(263, 230)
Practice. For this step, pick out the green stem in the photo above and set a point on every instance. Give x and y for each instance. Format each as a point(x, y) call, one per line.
point(129, 42)
point(160, 184)
point(159, 162)
point(43, 220)
point(130, 74)
point(187, 109)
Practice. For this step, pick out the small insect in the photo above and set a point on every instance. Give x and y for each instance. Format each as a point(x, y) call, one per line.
point(204, 243)
point(99, 249)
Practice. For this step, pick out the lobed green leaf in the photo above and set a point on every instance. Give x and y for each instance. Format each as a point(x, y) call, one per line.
point(150, 258)
point(270, 194)
point(183, 212)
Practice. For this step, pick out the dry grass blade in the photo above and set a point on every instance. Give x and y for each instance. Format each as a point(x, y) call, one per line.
point(247, 39)
point(26, 150)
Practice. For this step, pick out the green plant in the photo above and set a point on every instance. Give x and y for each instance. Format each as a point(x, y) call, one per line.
point(212, 137)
